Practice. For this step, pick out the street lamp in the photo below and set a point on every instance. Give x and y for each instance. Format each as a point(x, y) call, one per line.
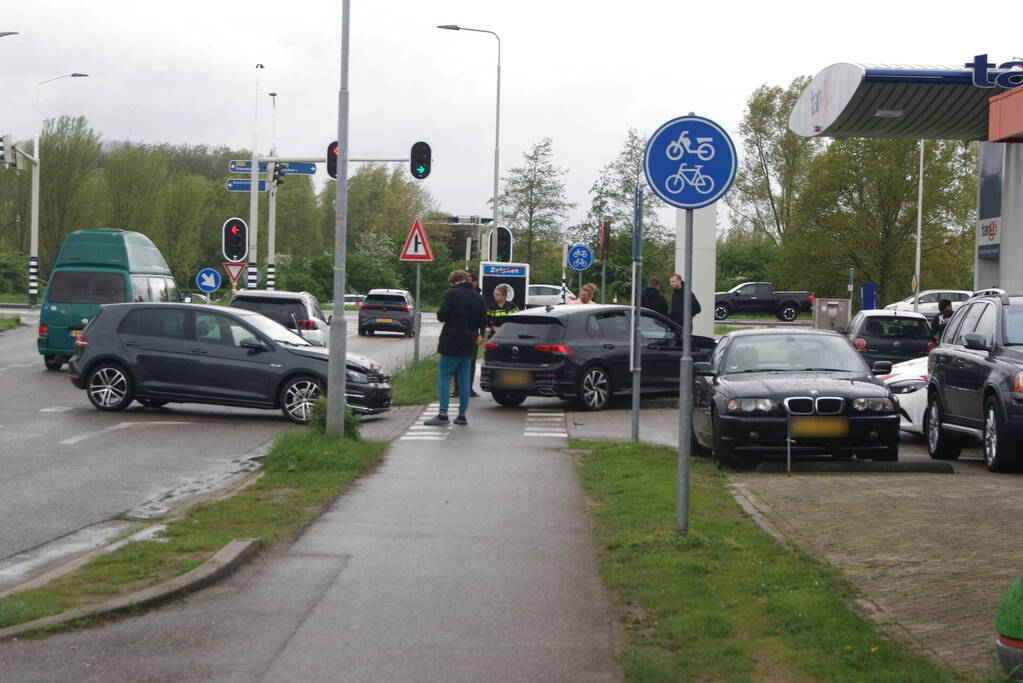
point(271, 189)
point(33, 256)
point(8, 33)
point(497, 126)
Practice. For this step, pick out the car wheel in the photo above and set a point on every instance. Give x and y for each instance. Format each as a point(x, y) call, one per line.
point(594, 389)
point(109, 387)
point(151, 402)
point(721, 311)
point(940, 446)
point(297, 397)
point(506, 399)
point(788, 313)
point(722, 454)
point(53, 362)
point(998, 452)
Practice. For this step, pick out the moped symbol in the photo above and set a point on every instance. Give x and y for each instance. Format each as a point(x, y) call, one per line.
point(703, 184)
point(704, 149)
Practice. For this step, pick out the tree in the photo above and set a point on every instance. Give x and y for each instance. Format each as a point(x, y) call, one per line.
point(135, 178)
point(533, 202)
point(384, 201)
point(774, 165)
point(612, 193)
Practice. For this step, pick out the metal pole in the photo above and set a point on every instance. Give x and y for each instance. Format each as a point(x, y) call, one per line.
point(564, 261)
point(251, 279)
point(271, 226)
point(417, 320)
point(685, 386)
point(497, 132)
point(338, 327)
point(637, 268)
point(919, 226)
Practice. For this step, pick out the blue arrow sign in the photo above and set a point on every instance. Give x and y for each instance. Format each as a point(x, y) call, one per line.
point(208, 280)
point(244, 166)
point(690, 162)
point(580, 257)
point(243, 185)
point(297, 167)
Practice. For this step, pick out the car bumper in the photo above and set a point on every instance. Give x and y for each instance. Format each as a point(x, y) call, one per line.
point(548, 381)
point(385, 323)
point(767, 435)
point(368, 399)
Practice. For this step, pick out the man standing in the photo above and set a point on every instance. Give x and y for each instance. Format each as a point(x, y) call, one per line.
point(651, 297)
point(678, 291)
point(939, 321)
point(463, 313)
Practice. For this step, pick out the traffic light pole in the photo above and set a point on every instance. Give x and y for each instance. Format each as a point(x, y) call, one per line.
point(271, 228)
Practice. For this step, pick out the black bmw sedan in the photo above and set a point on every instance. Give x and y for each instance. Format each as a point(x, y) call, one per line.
point(581, 352)
point(159, 353)
point(766, 391)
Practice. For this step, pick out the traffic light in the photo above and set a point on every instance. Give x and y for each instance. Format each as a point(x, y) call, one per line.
point(420, 160)
point(332, 160)
point(7, 151)
point(235, 239)
point(278, 177)
point(504, 245)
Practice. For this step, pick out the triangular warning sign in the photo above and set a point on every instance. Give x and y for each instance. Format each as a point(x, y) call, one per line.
point(417, 248)
point(234, 270)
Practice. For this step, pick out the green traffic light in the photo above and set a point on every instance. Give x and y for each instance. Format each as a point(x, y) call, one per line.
point(420, 169)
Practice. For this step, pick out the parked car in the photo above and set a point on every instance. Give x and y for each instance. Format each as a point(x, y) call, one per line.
point(354, 299)
point(581, 353)
point(991, 291)
point(298, 311)
point(191, 353)
point(929, 300)
point(764, 388)
point(548, 295)
point(761, 297)
point(908, 381)
point(194, 298)
point(387, 310)
point(975, 388)
point(890, 335)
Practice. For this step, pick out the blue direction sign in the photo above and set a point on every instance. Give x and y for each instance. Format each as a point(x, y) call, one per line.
point(243, 185)
point(208, 280)
point(690, 162)
point(244, 166)
point(580, 257)
point(297, 167)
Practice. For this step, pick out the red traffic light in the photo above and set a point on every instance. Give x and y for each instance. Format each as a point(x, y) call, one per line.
point(332, 154)
point(235, 239)
point(235, 230)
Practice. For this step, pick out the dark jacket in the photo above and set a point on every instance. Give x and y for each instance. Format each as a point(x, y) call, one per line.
point(939, 321)
point(651, 298)
point(463, 313)
point(676, 303)
point(496, 314)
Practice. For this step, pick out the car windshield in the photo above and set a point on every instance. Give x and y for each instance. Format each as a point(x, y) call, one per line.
point(897, 327)
point(278, 310)
point(276, 332)
point(1013, 325)
point(791, 352)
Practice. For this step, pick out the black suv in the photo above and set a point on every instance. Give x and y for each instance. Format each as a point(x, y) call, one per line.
point(975, 389)
point(387, 310)
point(158, 353)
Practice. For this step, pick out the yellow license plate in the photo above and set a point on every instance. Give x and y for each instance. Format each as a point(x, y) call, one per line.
point(385, 320)
point(819, 426)
point(514, 378)
point(75, 333)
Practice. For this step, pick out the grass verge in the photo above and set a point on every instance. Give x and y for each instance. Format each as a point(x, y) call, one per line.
point(9, 298)
point(726, 602)
point(304, 471)
point(416, 382)
point(9, 323)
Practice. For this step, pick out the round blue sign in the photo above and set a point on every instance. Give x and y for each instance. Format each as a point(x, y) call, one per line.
point(580, 257)
point(208, 280)
point(690, 162)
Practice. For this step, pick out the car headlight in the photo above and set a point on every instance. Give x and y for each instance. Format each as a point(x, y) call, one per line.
point(750, 405)
point(907, 386)
point(876, 405)
point(353, 376)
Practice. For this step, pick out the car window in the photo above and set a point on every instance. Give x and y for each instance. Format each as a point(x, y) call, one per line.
point(969, 322)
point(748, 290)
point(275, 331)
point(855, 324)
point(614, 325)
point(158, 289)
point(719, 351)
point(81, 287)
point(897, 327)
point(653, 329)
point(155, 322)
point(1013, 325)
point(140, 288)
point(986, 324)
point(952, 328)
point(520, 327)
point(212, 328)
point(780, 353)
point(958, 296)
point(385, 299)
point(929, 298)
point(277, 309)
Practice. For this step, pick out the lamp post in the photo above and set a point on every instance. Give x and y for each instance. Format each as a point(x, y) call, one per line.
point(251, 276)
point(8, 33)
point(271, 189)
point(33, 255)
point(497, 125)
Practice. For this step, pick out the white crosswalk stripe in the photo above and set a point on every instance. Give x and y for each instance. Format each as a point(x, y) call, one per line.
point(422, 432)
point(546, 422)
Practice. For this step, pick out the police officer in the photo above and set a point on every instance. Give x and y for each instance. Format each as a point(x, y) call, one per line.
point(499, 308)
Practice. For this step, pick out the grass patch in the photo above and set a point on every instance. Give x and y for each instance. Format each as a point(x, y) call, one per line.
point(11, 298)
point(305, 470)
point(9, 323)
point(726, 602)
point(416, 382)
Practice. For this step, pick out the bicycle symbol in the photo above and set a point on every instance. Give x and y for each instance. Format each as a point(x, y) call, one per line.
point(703, 184)
point(704, 149)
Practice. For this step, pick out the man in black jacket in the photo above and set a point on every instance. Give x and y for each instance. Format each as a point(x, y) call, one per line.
point(651, 297)
point(463, 313)
point(678, 288)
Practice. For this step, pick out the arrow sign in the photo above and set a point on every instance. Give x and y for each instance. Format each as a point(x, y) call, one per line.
point(297, 167)
point(417, 248)
point(208, 280)
point(234, 270)
point(244, 166)
point(243, 185)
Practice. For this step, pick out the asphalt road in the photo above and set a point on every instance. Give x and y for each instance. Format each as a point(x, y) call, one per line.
point(69, 468)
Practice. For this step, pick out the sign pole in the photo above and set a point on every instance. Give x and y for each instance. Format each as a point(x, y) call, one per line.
point(417, 318)
point(685, 386)
point(637, 267)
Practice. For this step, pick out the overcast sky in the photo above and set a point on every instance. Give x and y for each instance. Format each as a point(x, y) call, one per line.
point(581, 73)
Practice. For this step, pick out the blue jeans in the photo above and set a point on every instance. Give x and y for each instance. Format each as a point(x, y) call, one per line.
point(451, 366)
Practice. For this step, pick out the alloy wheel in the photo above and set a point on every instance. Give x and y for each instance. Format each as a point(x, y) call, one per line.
point(990, 436)
point(298, 399)
point(108, 387)
point(595, 389)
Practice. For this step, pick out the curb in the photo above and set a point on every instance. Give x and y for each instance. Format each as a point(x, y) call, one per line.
point(226, 561)
point(858, 466)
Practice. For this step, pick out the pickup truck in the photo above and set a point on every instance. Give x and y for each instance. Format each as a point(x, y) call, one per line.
point(760, 297)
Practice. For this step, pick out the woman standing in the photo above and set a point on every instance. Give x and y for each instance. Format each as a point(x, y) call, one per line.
point(499, 308)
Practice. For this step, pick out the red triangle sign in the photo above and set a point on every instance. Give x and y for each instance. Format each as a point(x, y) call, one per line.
point(417, 248)
point(234, 270)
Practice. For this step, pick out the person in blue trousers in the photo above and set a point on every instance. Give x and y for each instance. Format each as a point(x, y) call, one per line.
point(464, 314)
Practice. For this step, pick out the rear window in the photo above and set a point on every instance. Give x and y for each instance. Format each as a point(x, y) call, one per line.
point(905, 328)
point(84, 287)
point(520, 328)
point(385, 300)
point(278, 310)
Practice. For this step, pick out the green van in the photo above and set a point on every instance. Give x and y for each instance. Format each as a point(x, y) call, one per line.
point(97, 267)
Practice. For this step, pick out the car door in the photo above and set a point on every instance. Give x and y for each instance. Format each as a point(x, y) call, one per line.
point(155, 343)
point(976, 367)
point(703, 396)
point(610, 332)
point(661, 345)
point(221, 368)
point(745, 299)
point(958, 363)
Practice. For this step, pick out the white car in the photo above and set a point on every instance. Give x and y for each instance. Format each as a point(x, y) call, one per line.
point(929, 300)
point(549, 295)
point(908, 381)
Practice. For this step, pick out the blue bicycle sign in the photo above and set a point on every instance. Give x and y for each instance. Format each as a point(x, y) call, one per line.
point(580, 257)
point(690, 162)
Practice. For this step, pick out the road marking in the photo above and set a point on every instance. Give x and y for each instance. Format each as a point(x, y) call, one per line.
point(56, 409)
point(21, 365)
point(546, 422)
point(120, 425)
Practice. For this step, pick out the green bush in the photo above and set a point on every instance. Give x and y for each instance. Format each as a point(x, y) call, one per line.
point(1009, 622)
point(318, 419)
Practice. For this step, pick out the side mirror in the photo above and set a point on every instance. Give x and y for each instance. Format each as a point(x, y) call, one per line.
point(702, 369)
point(252, 344)
point(974, 341)
point(881, 367)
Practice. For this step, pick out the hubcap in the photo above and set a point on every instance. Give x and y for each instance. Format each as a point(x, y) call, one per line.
point(299, 398)
point(108, 387)
point(990, 436)
point(933, 426)
point(595, 388)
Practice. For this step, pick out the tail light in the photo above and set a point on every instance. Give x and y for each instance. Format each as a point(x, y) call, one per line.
point(80, 341)
point(931, 345)
point(403, 308)
point(306, 325)
point(561, 349)
point(490, 345)
point(810, 299)
point(860, 343)
point(44, 330)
